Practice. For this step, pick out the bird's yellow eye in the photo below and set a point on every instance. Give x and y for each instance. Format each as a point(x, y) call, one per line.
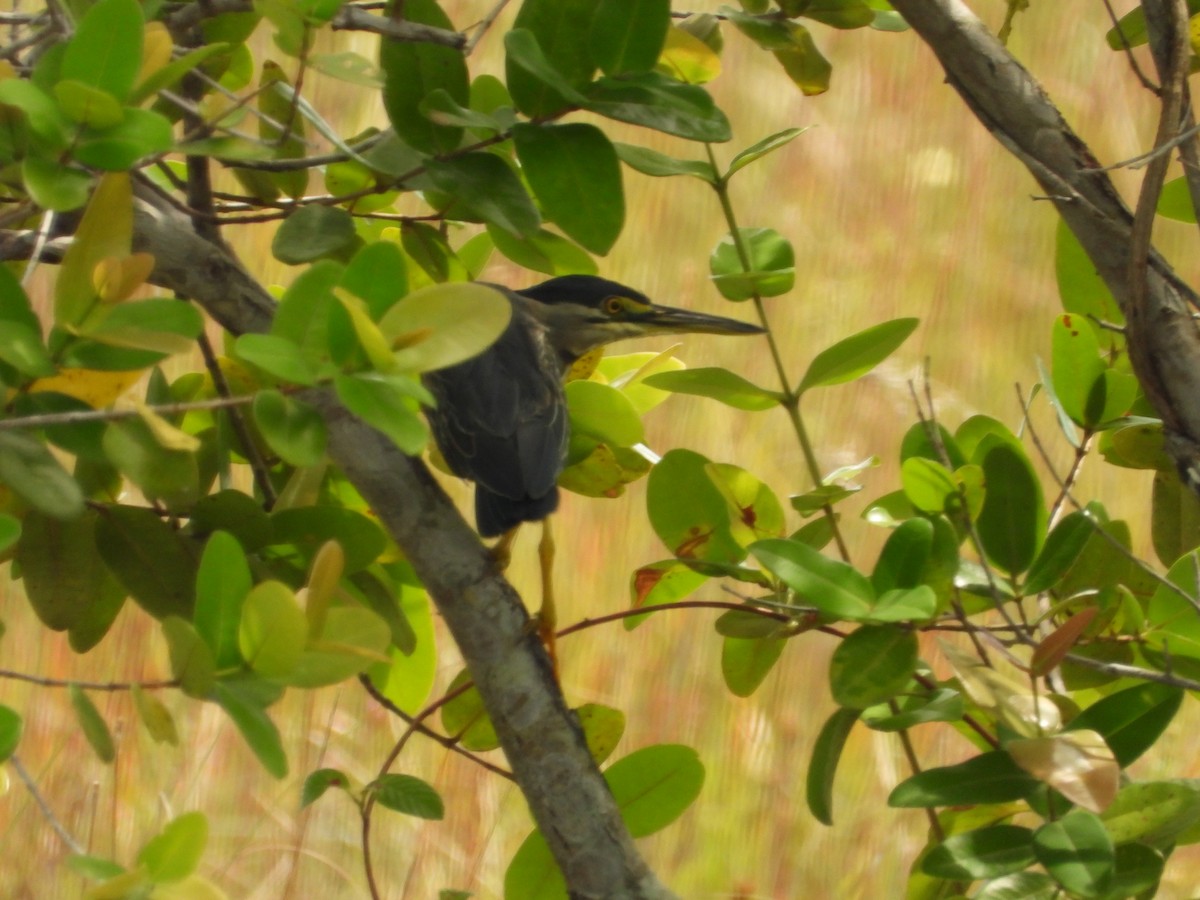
point(613, 305)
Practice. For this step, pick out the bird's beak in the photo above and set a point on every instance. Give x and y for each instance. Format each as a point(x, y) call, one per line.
point(669, 320)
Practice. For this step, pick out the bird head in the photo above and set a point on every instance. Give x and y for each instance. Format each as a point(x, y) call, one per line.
point(583, 312)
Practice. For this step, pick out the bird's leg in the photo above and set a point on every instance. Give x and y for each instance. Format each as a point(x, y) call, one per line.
point(545, 621)
point(502, 549)
point(547, 617)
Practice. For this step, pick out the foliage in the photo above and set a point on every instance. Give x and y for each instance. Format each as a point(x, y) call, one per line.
point(1068, 655)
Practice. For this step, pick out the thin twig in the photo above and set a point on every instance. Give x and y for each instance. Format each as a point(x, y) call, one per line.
point(110, 686)
point(47, 813)
point(77, 416)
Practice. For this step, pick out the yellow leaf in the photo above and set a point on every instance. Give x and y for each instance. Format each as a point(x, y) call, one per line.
point(156, 50)
point(106, 230)
point(687, 58)
point(96, 389)
point(115, 279)
point(1078, 764)
point(327, 567)
point(167, 435)
point(370, 338)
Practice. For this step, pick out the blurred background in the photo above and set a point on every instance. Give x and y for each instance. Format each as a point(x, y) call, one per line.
point(898, 204)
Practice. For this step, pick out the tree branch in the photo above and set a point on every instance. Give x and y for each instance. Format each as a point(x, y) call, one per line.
point(1163, 340)
point(569, 799)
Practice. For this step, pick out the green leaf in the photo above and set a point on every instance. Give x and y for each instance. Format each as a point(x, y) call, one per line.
point(804, 63)
point(904, 605)
point(169, 475)
point(106, 49)
point(11, 727)
point(772, 265)
point(757, 151)
point(311, 526)
point(904, 555)
point(233, 511)
point(241, 703)
point(872, 664)
point(445, 324)
point(158, 324)
point(603, 414)
point(412, 70)
point(92, 724)
point(857, 355)
point(982, 853)
point(34, 475)
point(318, 782)
point(1174, 517)
point(1138, 870)
point(836, 589)
point(277, 356)
point(548, 55)
point(409, 795)
point(688, 512)
point(155, 716)
point(628, 35)
point(386, 404)
point(602, 727)
point(377, 274)
point(1081, 377)
point(719, 384)
point(55, 186)
point(942, 705)
point(439, 107)
point(10, 532)
point(173, 71)
point(46, 121)
point(746, 662)
point(827, 753)
point(273, 630)
point(1012, 523)
point(88, 105)
point(313, 232)
point(574, 172)
point(292, 428)
point(653, 786)
point(661, 583)
point(140, 133)
point(1131, 720)
point(1062, 548)
point(465, 718)
point(1080, 287)
point(659, 165)
point(149, 558)
point(21, 344)
point(175, 852)
point(655, 101)
point(352, 639)
point(840, 13)
point(191, 659)
point(483, 186)
point(1077, 852)
point(62, 572)
point(1153, 812)
point(989, 778)
point(544, 252)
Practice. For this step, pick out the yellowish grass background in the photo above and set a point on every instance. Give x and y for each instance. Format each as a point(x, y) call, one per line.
point(898, 203)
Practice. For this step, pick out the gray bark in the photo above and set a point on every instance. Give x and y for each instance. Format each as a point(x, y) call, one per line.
point(1163, 340)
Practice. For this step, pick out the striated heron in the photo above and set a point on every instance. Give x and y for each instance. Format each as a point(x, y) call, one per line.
point(501, 417)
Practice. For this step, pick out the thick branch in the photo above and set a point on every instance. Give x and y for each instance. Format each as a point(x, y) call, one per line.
point(567, 795)
point(1163, 340)
point(348, 18)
